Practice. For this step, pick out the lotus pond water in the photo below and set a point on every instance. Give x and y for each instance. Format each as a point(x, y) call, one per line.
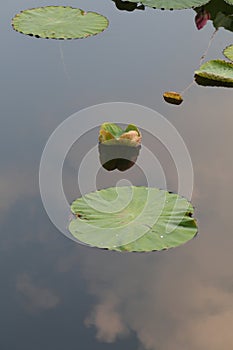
point(59, 292)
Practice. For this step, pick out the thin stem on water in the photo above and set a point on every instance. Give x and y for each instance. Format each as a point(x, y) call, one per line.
point(63, 61)
point(202, 59)
point(207, 49)
point(187, 87)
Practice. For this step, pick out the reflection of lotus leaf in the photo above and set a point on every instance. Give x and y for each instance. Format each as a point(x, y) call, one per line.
point(119, 155)
point(152, 220)
point(127, 5)
point(215, 73)
point(59, 22)
point(172, 4)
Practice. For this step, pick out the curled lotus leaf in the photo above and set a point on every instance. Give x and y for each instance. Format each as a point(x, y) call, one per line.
point(113, 134)
point(173, 97)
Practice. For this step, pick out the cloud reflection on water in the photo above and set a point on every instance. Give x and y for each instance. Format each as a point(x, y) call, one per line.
point(182, 298)
point(36, 298)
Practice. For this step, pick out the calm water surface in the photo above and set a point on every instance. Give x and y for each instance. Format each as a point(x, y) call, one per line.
point(56, 294)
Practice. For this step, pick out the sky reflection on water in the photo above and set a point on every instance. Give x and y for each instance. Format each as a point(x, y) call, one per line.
point(57, 293)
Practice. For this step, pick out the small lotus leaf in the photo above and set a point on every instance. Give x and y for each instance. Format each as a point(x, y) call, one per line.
point(59, 22)
point(228, 52)
point(132, 219)
point(215, 73)
point(173, 97)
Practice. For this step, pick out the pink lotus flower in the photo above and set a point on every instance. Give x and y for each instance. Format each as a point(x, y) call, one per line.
point(201, 19)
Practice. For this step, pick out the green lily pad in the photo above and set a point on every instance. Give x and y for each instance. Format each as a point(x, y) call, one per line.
point(132, 218)
point(230, 2)
point(215, 73)
point(172, 4)
point(59, 22)
point(228, 52)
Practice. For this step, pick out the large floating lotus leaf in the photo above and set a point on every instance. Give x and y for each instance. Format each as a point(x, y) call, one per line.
point(133, 219)
point(59, 22)
point(228, 52)
point(172, 4)
point(215, 73)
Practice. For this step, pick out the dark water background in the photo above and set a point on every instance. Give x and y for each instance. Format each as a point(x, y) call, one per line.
point(56, 294)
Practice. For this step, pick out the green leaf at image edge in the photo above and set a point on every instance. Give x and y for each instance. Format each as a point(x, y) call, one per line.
point(228, 52)
point(172, 4)
point(223, 20)
point(59, 22)
point(230, 2)
point(165, 223)
point(215, 73)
